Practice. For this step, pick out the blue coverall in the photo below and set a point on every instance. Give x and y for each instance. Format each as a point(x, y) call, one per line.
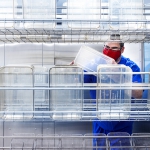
point(113, 126)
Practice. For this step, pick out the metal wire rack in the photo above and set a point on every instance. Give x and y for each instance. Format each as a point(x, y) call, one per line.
point(66, 21)
point(138, 108)
point(119, 140)
point(59, 95)
point(64, 34)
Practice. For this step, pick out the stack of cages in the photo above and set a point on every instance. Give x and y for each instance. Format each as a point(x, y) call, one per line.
point(41, 80)
point(114, 95)
point(19, 98)
point(66, 99)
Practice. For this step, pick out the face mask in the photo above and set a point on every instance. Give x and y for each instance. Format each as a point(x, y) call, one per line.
point(115, 54)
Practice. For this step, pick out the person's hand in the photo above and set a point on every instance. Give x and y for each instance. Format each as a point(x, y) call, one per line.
point(72, 63)
point(114, 62)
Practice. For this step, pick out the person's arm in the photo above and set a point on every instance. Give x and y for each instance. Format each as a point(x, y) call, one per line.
point(137, 94)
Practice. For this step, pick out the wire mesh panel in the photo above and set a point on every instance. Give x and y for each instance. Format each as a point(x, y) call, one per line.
point(66, 100)
point(16, 99)
point(114, 102)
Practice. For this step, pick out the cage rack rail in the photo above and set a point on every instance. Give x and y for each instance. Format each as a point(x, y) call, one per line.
point(35, 142)
point(15, 30)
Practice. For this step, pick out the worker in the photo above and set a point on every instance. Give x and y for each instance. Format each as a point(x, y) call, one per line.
point(114, 49)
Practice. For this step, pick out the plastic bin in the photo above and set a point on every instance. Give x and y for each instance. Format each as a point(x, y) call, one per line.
point(141, 140)
point(89, 59)
point(72, 141)
point(120, 142)
point(22, 142)
point(53, 142)
point(43, 9)
point(41, 79)
point(86, 9)
point(16, 76)
point(95, 141)
point(118, 10)
point(114, 102)
point(66, 102)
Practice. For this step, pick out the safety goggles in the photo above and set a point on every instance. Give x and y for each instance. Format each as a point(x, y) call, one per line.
point(112, 48)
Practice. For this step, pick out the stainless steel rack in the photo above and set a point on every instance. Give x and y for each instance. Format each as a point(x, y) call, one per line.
point(77, 141)
point(66, 107)
point(65, 34)
point(65, 23)
point(68, 22)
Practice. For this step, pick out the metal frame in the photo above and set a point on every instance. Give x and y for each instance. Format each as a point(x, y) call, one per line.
point(25, 141)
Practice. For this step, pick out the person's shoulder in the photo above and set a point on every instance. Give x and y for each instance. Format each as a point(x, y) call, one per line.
point(130, 63)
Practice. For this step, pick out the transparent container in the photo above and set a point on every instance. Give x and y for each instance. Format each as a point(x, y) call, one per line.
point(16, 76)
point(51, 142)
point(22, 141)
point(6, 12)
point(130, 10)
point(89, 59)
point(142, 140)
point(95, 141)
point(41, 10)
point(86, 9)
point(72, 141)
point(114, 101)
point(66, 102)
point(41, 79)
point(120, 142)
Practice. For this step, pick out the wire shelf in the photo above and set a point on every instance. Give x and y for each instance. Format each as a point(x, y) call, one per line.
point(64, 34)
point(70, 22)
point(63, 99)
point(137, 114)
point(119, 140)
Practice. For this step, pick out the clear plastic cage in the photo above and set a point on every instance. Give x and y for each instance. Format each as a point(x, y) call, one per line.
point(88, 58)
point(114, 101)
point(15, 76)
point(66, 100)
point(41, 79)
